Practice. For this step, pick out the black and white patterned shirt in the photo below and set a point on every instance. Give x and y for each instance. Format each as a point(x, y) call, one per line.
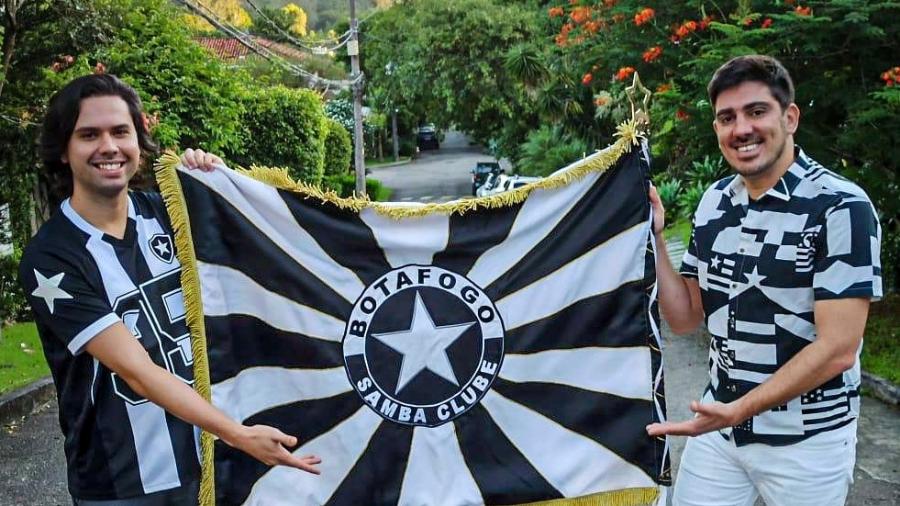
point(761, 265)
point(80, 281)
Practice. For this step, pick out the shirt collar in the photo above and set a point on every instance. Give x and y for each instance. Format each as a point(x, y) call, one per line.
point(782, 189)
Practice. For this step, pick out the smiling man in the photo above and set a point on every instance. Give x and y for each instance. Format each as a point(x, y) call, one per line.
point(782, 264)
point(104, 286)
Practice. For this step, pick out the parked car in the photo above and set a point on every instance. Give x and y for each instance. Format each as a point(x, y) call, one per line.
point(481, 172)
point(427, 137)
point(500, 183)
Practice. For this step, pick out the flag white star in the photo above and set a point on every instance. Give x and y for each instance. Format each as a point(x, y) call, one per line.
point(48, 288)
point(715, 261)
point(423, 345)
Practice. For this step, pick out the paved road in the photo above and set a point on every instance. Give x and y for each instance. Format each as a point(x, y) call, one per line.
point(435, 176)
point(32, 465)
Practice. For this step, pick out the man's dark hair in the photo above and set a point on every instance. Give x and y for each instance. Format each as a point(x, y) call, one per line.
point(754, 67)
point(59, 124)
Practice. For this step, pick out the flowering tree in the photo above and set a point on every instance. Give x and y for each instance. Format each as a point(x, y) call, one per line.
point(840, 54)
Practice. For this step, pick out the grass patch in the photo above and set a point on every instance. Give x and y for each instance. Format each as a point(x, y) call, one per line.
point(680, 229)
point(881, 345)
point(21, 357)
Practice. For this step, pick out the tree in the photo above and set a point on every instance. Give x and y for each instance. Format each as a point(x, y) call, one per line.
point(444, 62)
point(228, 11)
point(11, 27)
point(298, 18)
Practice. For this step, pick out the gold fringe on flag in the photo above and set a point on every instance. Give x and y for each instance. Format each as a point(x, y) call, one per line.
point(628, 134)
point(642, 496)
point(170, 187)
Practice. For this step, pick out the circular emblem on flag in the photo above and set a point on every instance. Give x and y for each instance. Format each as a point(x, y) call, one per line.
point(423, 345)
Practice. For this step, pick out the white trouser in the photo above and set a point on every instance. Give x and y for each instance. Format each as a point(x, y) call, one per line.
point(814, 472)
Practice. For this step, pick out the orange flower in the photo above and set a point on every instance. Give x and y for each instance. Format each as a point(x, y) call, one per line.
point(566, 28)
point(609, 3)
point(747, 21)
point(803, 11)
point(645, 14)
point(705, 22)
point(891, 76)
point(652, 54)
point(601, 101)
point(99, 68)
point(580, 14)
point(617, 18)
point(586, 79)
point(681, 115)
point(766, 23)
point(664, 87)
point(691, 25)
point(555, 12)
point(624, 73)
point(562, 39)
point(592, 27)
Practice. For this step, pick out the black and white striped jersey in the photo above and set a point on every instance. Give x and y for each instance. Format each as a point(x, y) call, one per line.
point(80, 281)
point(761, 265)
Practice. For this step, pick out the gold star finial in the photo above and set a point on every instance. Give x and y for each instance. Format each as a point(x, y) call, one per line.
point(640, 113)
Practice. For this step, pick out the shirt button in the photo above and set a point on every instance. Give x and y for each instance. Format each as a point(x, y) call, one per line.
point(734, 285)
point(741, 250)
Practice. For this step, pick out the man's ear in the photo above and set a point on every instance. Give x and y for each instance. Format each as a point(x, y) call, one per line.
point(792, 117)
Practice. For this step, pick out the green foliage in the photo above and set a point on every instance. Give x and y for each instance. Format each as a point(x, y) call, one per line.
point(338, 148)
point(547, 150)
point(706, 171)
point(446, 63)
point(881, 347)
point(22, 357)
point(196, 97)
point(284, 127)
point(12, 300)
point(345, 186)
point(690, 198)
point(669, 190)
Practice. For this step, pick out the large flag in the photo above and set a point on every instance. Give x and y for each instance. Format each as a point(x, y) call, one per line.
point(501, 350)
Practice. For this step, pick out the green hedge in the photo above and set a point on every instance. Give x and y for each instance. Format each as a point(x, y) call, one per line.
point(338, 148)
point(284, 127)
point(345, 185)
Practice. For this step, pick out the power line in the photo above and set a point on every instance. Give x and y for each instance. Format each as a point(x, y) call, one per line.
point(247, 41)
point(319, 49)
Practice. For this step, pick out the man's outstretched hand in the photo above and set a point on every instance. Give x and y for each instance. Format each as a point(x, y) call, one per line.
point(708, 417)
point(267, 444)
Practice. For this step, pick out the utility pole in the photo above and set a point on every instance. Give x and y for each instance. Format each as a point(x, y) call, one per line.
point(394, 133)
point(359, 159)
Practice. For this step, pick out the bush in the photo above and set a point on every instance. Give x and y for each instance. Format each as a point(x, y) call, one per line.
point(12, 300)
point(338, 148)
point(284, 127)
point(669, 190)
point(345, 185)
point(548, 150)
point(690, 199)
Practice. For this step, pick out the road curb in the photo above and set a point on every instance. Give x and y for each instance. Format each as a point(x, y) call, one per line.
point(22, 401)
point(881, 388)
point(392, 164)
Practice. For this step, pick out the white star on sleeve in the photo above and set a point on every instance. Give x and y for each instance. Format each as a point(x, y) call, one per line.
point(48, 289)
